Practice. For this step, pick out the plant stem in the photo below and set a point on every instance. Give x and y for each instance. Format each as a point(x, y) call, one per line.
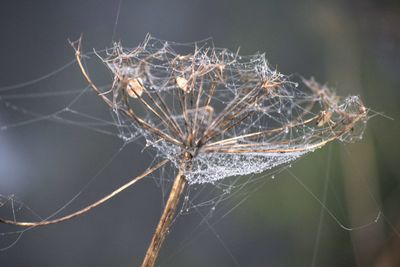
point(165, 220)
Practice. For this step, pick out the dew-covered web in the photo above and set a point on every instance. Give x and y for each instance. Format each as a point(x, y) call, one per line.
point(234, 114)
point(228, 117)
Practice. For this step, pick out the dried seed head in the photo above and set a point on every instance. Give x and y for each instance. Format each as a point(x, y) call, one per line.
point(180, 57)
point(208, 114)
point(324, 118)
point(221, 68)
point(269, 85)
point(183, 84)
point(232, 112)
point(134, 88)
point(363, 110)
point(209, 109)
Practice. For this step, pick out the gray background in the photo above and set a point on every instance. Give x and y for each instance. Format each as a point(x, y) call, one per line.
point(352, 45)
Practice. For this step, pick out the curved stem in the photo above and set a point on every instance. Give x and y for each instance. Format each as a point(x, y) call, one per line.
point(88, 208)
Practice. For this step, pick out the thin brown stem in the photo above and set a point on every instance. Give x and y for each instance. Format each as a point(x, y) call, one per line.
point(77, 47)
point(90, 207)
point(166, 218)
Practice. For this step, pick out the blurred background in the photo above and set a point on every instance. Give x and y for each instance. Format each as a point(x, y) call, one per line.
point(354, 46)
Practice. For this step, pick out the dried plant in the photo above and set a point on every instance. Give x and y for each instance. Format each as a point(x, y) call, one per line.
point(213, 114)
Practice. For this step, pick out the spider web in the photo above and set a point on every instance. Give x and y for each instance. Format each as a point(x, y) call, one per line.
point(250, 117)
point(217, 180)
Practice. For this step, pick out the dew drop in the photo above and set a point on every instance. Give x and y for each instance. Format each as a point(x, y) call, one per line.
point(286, 130)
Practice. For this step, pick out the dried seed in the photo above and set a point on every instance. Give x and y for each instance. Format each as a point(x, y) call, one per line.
point(324, 118)
point(134, 88)
point(183, 84)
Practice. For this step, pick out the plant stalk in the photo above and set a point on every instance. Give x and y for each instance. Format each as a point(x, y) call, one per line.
point(166, 218)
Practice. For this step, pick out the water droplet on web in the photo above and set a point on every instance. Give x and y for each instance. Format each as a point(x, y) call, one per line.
point(286, 130)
